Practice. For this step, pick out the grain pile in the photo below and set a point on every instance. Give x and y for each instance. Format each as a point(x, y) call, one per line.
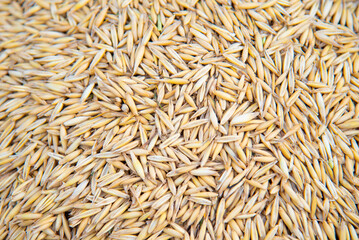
point(179, 119)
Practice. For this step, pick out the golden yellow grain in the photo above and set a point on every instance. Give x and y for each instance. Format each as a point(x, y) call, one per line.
point(179, 120)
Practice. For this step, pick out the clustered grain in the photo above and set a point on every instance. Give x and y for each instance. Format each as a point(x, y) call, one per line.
point(179, 119)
